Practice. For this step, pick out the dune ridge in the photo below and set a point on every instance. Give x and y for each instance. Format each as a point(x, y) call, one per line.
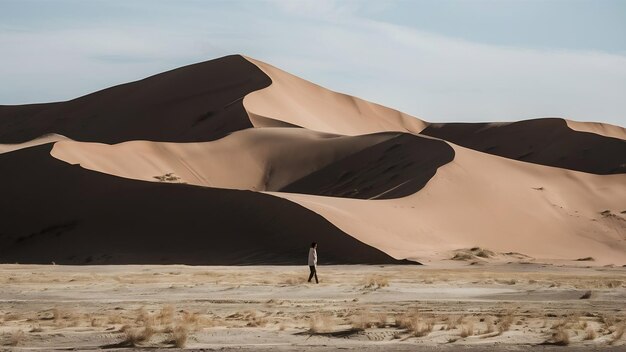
point(299, 102)
point(259, 159)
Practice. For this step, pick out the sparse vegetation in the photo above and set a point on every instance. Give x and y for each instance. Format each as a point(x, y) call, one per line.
point(169, 177)
point(376, 281)
point(560, 337)
point(590, 334)
point(467, 329)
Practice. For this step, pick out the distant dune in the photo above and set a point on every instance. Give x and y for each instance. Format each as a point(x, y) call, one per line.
point(233, 161)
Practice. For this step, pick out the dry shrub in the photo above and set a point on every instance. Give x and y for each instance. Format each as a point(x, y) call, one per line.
point(376, 281)
point(190, 318)
point(560, 337)
point(608, 320)
point(590, 334)
point(134, 336)
point(36, 328)
point(144, 318)
point(505, 323)
point(423, 328)
point(361, 320)
point(619, 332)
point(453, 321)
point(467, 330)
point(179, 336)
point(16, 337)
point(407, 320)
point(380, 320)
point(489, 325)
point(320, 323)
point(166, 315)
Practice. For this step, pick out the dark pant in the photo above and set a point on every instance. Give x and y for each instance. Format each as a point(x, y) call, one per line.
point(313, 273)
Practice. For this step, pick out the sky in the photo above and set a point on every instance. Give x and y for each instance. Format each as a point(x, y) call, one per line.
point(440, 60)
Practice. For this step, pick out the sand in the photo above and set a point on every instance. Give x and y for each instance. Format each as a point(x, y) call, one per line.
point(450, 307)
point(302, 103)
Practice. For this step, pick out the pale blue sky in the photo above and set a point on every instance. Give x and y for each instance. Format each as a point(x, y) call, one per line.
point(441, 60)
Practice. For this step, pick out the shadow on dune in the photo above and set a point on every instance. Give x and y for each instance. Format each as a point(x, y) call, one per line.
point(195, 103)
point(547, 142)
point(395, 168)
point(55, 212)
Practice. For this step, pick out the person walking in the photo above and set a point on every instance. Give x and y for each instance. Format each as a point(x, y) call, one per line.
point(313, 262)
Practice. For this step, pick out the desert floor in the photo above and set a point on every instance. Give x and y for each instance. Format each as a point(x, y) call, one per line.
point(439, 307)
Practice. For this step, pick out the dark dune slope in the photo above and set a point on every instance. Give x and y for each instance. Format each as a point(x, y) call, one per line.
point(541, 141)
point(199, 102)
point(395, 168)
point(52, 211)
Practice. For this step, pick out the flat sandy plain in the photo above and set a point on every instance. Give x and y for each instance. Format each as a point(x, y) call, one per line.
point(449, 306)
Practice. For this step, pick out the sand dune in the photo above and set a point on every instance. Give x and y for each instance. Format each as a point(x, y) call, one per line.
point(548, 142)
point(194, 103)
point(365, 181)
point(264, 159)
point(53, 211)
point(482, 200)
point(302, 103)
point(49, 138)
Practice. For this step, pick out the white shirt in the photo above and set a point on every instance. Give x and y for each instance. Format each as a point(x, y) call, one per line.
point(312, 257)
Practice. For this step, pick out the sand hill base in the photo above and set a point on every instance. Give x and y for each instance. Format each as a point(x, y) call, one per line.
point(449, 307)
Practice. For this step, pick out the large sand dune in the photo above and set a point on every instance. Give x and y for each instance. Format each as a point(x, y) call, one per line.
point(55, 212)
point(365, 181)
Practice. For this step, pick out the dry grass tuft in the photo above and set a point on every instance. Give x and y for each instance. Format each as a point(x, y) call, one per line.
point(361, 320)
point(423, 328)
point(166, 315)
point(590, 334)
point(489, 325)
point(619, 332)
point(407, 320)
point(135, 336)
point(608, 320)
point(560, 337)
point(179, 336)
point(380, 320)
point(505, 323)
point(376, 281)
point(467, 329)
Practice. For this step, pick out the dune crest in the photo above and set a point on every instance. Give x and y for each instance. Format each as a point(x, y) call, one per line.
point(299, 102)
point(603, 129)
point(259, 159)
point(48, 138)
